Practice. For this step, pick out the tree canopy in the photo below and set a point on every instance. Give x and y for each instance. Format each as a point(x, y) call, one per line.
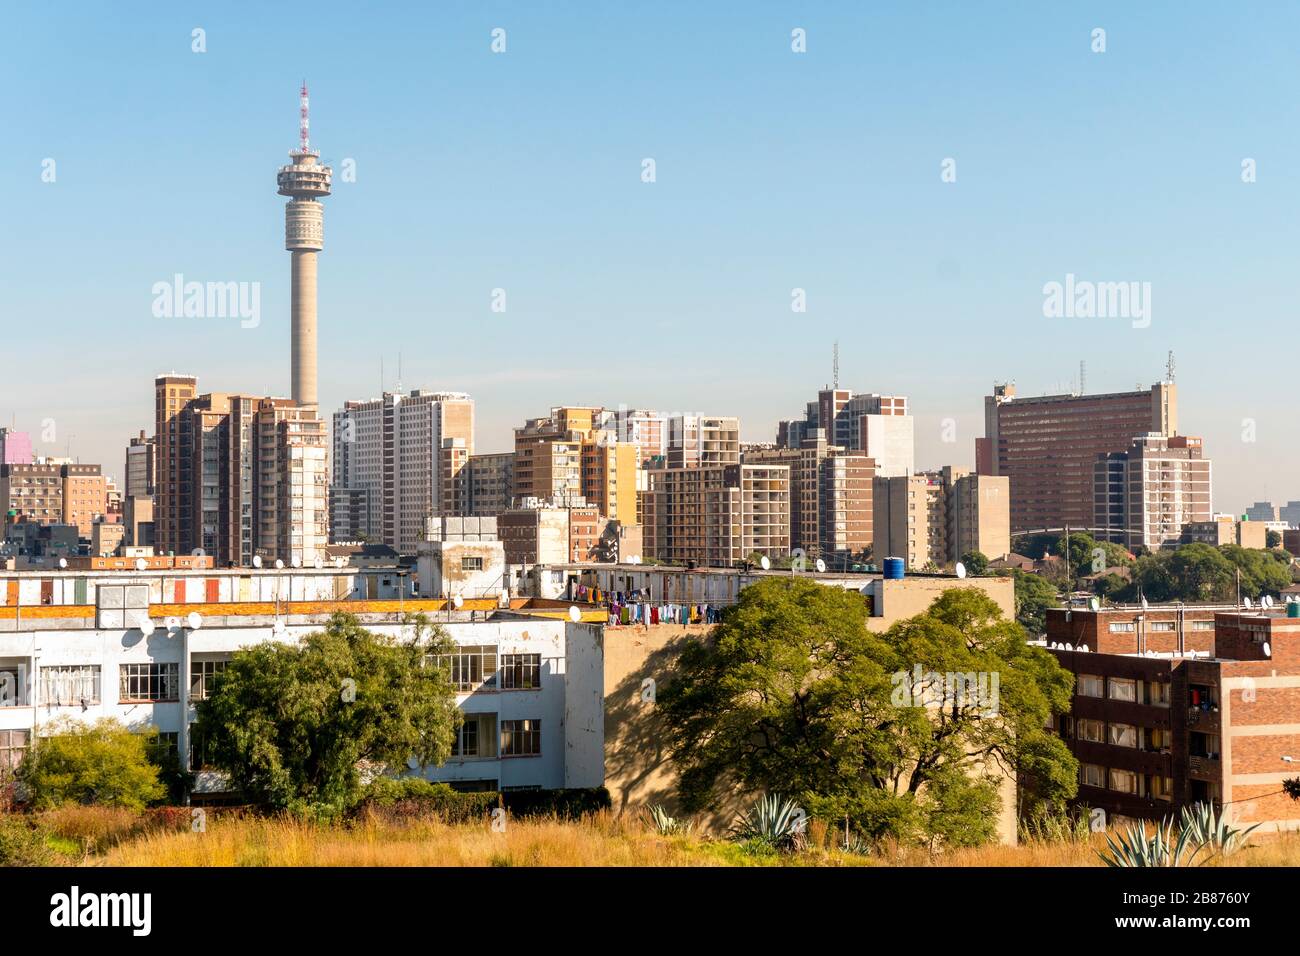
point(292, 724)
point(1202, 572)
point(792, 693)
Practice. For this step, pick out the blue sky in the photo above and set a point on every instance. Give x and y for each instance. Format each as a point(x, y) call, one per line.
point(775, 171)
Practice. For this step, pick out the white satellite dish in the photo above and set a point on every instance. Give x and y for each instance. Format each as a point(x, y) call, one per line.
point(318, 563)
point(574, 614)
point(960, 569)
point(1145, 605)
point(63, 562)
point(820, 566)
point(458, 602)
point(257, 560)
point(279, 565)
point(1084, 648)
point(1094, 603)
point(1266, 600)
point(194, 620)
point(1247, 602)
point(1268, 650)
point(764, 563)
point(141, 564)
point(1069, 646)
point(296, 561)
point(147, 626)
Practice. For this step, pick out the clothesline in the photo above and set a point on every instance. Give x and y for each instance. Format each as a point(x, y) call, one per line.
point(635, 607)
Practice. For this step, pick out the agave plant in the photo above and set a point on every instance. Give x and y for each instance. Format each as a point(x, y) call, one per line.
point(1210, 829)
point(775, 820)
point(1201, 834)
point(664, 823)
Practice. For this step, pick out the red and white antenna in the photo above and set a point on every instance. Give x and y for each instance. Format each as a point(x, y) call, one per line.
point(302, 123)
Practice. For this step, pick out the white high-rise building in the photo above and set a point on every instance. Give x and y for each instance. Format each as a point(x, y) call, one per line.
point(389, 472)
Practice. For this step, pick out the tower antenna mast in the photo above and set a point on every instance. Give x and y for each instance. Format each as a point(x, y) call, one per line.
point(835, 366)
point(303, 123)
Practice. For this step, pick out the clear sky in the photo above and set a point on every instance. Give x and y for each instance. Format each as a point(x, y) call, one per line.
point(775, 170)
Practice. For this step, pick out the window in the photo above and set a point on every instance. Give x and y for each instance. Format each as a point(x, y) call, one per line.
point(1158, 693)
point(1123, 781)
point(472, 666)
point(521, 738)
point(1121, 688)
point(199, 757)
point(1161, 788)
point(64, 686)
point(1123, 735)
point(1122, 627)
point(476, 737)
point(471, 564)
point(1090, 730)
point(13, 747)
point(521, 671)
point(1089, 686)
point(1092, 775)
point(140, 682)
point(201, 677)
point(1202, 625)
point(1162, 625)
point(1159, 739)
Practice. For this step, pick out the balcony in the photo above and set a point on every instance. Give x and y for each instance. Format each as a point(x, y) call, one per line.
point(1205, 768)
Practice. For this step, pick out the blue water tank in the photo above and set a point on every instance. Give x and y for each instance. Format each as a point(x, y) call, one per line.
point(1293, 608)
point(893, 569)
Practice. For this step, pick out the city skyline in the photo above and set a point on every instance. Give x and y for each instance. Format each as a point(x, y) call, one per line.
point(556, 214)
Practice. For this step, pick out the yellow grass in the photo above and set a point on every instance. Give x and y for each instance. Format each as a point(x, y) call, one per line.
point(602, 840)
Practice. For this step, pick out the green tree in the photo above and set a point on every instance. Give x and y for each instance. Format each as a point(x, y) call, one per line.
point(1272, 539)
point(104, 763)
point(292, 723)
point(976, 562)
point(793, 694)
point(1034, 595)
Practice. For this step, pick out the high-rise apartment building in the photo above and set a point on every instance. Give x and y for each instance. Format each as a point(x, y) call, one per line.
point(1262, 511)
point(47, 493)
point(1048, 446)
point(238, 476)
point(878, 426)
point(646, 429)
point(1146, 495)
point(702, 441)
point(491, 482)
point(717, 515)
point(574, 455)
point(405, 453)
point(140, 467)
point(934, 518)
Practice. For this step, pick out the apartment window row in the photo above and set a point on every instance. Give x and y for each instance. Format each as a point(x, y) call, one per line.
point(1154, 693)
point(1154, 739)
point(478, 737)
point(478, 667)
point(1154, 786)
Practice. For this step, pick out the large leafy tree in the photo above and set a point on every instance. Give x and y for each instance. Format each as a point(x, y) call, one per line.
point(104, 763)
point(793, 694)
point(1201, 572)
point(292, 724)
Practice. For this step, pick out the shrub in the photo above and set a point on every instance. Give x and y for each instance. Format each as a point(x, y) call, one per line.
point(406, 798)
point(22, 843)
point(570, 804)
point(774, 821)
point(104, 764)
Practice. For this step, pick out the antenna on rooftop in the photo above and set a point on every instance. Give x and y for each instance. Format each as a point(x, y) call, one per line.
point(1169, 367)
point(1083, 376)
point(835, 366)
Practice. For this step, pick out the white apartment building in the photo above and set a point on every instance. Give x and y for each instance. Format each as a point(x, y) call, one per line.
point(141, 648)
point(1146, 495)
point(388, 466)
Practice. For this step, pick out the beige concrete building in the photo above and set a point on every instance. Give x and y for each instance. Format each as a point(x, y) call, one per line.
point(575, 454)
point(1146, 496)
point(979, 514)
point(717, 515)
point(48, 493)
point(932, 519)
point(702, 441)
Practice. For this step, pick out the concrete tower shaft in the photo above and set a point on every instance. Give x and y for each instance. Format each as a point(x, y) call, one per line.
point(305, 180)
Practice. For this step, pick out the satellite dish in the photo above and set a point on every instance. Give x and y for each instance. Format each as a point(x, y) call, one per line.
point(1145, 605)
point(194, 620)
point(960, 569)
point(1094, 603)
point(764, 563)
point(574, 614)
point(279, 565)
point(1247, 602)
point(296, 561)
point(1268, 650)
point(1069, 646)
point(820, 566)
point(141, 564)
point(257, 560)
point(63, 562)
point(1266, 600)
point(147, 626)
point(318, 563)
point(1084, 648)
point(458, 602)
point(278, 627)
